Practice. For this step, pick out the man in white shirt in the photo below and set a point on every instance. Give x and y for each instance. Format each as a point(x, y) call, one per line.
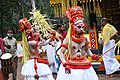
point(110, 62)
point(10, 44)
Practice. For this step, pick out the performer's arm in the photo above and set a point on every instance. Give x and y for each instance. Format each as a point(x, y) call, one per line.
point(52, 37)
point(60, 53)
point(44, 43)
point(93, 56)
point(88, 51)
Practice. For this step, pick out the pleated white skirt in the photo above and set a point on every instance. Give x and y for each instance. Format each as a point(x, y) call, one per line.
point(77, 74)
point(43, 71)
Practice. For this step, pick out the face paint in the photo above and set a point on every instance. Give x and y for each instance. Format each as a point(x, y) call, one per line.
point(79, 27)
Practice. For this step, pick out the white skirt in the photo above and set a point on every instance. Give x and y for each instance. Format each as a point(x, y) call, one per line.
point(43, 71)
point(77, 74)
point(110, 62)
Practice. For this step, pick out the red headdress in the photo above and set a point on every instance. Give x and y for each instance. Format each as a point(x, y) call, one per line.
point(74, 14)
point(24, 24)
point(76, 18)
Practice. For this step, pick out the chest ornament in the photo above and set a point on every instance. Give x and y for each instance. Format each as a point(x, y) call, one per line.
point(77, 39)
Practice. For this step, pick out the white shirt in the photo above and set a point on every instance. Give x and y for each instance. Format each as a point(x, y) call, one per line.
point(12, 42)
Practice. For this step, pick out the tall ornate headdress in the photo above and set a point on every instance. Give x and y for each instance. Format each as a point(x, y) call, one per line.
point(75, 14)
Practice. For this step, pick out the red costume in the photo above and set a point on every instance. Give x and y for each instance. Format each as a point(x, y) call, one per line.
point(74, 61)
point(36, 67)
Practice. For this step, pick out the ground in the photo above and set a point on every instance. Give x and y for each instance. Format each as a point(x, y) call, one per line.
point(100, 75)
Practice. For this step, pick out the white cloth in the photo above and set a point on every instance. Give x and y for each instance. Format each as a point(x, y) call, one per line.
point(110, 62)
point(77, 74)
point(43, 70)
point(50, 53)
point(19, 51)
point(51, 57)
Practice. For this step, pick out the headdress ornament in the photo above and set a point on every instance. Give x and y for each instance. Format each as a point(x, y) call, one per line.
point(74, 14)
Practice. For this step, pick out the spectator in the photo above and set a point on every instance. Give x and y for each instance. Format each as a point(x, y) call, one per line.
point(110, 62)
point(10, 44)
point(61, 31)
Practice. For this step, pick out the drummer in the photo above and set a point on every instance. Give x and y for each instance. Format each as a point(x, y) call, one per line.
point(10, 44)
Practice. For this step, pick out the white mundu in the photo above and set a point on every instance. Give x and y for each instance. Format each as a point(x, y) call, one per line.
point(43, 70)
point(109, 58)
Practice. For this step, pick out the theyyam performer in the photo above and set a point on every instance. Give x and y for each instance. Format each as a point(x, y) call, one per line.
point(74, 50)
point(35, 65)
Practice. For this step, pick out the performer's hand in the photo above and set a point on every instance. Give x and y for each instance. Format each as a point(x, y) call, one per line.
point(67, 69)
point(53, 33)
point(95, 57)
point(52, 44)
point(52, 37)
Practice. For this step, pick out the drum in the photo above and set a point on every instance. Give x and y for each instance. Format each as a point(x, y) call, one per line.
point(7, 63)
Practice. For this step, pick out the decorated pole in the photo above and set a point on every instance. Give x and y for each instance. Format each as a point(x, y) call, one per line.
point(24, 25)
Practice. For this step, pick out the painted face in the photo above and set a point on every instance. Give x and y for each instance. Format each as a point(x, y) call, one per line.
point(79, 28)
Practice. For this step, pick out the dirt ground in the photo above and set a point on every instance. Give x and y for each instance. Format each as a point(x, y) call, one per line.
point(101, 76)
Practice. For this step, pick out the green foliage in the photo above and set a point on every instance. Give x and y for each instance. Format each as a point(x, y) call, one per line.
point(18, 36)
point(11, 11)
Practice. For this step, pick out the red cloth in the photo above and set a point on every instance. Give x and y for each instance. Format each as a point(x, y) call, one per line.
point(80, 66)
point(41, 60)
point(64, 45)
point(76, 63)
point(2, 45)
point(77, 66)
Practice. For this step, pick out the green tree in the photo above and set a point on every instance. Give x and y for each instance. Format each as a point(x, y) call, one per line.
point(11, 11)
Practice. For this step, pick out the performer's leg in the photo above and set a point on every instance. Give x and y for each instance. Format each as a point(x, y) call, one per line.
point(54, 70)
